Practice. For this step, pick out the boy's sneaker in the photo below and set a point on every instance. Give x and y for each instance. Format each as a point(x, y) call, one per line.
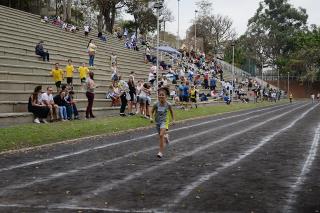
point(166, 139)
point(44, 121)
point(159, 155)
point(36, 121)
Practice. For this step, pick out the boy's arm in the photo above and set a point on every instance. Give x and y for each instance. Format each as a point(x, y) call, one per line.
point(171, 113)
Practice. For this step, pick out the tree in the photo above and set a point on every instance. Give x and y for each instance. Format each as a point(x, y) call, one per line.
point(109, 9)
point(274, 23)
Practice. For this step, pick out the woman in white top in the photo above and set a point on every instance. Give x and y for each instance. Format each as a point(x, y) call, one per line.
point(91, 51)
point(90, 95)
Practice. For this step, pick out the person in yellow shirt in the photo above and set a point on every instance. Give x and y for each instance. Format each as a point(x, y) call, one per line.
point(69, 70)
point(290, 97)
point(57, 75)
point(193, 95)
point(83, 72)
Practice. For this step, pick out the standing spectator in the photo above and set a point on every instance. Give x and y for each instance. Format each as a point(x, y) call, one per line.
point(39, 50)
point(132, 93)
point(148, 55)
point(61, 102)
point(312, 97)
point(47, 99)
point(124, 89)
point(113, 59)
point(318, 96)
point(152, 76)
point(39, 110)
point(69, 70)
point(291, 97)
point(86, 30)
point(90, 95)
point(91, 51)
point(213, 84)
point(114, 75)
point(57, 75)
point(83, 72)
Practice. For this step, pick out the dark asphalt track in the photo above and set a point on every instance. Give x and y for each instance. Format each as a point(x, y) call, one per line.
point(262, 160)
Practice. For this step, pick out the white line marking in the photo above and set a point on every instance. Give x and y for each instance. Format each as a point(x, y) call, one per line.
point(73, 171)
point(70, 207)
point(203, 178)
point(305, 170)
point(110, 186)
point(121, 142)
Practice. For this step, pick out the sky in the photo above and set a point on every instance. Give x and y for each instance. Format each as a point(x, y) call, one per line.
point(240, 11)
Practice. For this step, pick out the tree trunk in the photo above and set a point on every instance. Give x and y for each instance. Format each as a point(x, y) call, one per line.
point(107, 20)
point(64, 5)
point(68, 19)
point(100, 22)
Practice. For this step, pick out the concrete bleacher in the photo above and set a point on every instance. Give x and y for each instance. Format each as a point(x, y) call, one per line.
point(21, 70)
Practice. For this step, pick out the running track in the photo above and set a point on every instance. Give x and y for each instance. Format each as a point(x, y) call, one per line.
point(261, 160)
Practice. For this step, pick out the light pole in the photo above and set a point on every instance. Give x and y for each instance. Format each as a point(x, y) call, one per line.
point(178, 36)
point(195, 30)
point(158, 6)
point(278, 79)
point(288, 84)
point(232, 66)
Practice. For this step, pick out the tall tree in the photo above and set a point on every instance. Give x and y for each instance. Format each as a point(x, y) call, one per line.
point(274, 23)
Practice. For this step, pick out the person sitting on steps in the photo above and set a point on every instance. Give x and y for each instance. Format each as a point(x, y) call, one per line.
point(39, 50)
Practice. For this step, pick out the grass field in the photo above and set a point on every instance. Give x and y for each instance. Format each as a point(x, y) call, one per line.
point(29, 135)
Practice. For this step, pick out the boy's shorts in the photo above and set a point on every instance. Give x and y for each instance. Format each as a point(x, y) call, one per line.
point(193, 100)
point(69, 80)
point(162, 125)
point(58, 84)
point(83, 80)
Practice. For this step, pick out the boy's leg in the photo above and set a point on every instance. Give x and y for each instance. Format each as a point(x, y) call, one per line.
point(161, 135)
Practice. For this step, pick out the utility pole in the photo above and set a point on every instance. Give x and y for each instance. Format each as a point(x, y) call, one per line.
point(195, 30)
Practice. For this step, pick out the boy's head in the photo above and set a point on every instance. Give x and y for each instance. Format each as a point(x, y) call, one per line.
point(83, 64)
point(56, 65)
point(163, 92)
point(69, 61)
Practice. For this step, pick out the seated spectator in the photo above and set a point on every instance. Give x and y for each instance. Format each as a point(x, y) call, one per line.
point(47, 100)
point(102, 37)
point(73, 28)
point(72, 103)
point(39, 50)
point(163, 65)
point(61, 102)
point(39, 110)
point(227, 99)
point(114, 95)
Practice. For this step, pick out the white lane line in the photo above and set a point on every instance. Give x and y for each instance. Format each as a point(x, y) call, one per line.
point(203, 178)
point(36, 162)
point(51, 177)
point(305, 170)
point(70, 207)
point(113, 184)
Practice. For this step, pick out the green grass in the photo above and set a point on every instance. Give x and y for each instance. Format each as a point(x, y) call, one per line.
point(28, 135)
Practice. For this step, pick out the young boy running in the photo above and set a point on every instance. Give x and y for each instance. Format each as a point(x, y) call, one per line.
point(69, 73)
point(161, 117)
point(57, 75)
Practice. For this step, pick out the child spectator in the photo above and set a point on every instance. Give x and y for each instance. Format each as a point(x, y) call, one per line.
point(61, 102)
point(83, 72)
point(39, 110)
point(47, 99)
point(114, 75)
point(113, 59)
point(113, 94)
point(57, 75)
point(159, 112)
point(69, 70)
point(123, 89)
point(193, 96)
point(102, 37)
point(39, 50)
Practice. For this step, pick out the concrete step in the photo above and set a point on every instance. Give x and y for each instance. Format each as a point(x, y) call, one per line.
point(69, 52)
point(18, 12)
